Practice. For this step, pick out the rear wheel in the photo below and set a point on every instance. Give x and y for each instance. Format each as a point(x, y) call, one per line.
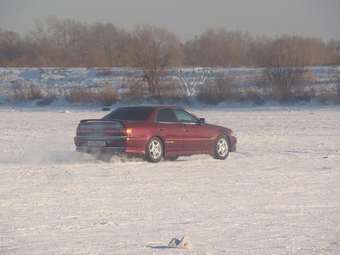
point(154, 150)
point(221, 148)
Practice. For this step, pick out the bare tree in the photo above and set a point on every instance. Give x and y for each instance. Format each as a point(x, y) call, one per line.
point(216, 90)
point(109, 45)
point(10, 47)
point(155, 49)
point(218, 48)
point(285, 67)
point(67, 42)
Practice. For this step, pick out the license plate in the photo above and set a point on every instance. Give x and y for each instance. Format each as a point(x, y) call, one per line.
point(96, 143)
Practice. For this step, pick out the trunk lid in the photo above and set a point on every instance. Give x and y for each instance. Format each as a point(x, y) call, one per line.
point(100, 133)
point(100, 128)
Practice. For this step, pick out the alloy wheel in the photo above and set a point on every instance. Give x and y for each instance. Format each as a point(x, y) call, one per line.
point(221, 148)
point(155, 150)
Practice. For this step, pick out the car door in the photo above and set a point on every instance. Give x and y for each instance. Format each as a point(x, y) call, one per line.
point(170, 131)
point(195, 139)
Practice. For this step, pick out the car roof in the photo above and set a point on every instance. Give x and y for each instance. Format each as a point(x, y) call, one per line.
point(155, 107)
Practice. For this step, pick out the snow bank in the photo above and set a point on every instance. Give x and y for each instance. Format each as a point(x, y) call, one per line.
point(191, 78)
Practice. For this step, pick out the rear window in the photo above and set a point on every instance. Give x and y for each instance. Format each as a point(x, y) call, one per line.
point(130, 113)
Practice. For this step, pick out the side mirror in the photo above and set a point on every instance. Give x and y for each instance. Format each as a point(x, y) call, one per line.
point(201, 121)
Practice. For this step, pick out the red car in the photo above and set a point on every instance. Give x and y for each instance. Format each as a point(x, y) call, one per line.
point(154, 132)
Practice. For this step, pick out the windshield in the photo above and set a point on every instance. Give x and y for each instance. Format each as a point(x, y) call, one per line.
point(130, 113)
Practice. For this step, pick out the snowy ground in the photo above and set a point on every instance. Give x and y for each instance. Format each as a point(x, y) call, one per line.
point(279, 194)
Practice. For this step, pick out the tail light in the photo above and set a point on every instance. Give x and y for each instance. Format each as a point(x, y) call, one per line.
point(127, 132)
point(111, 131)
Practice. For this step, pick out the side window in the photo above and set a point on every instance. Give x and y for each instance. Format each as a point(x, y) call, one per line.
point(166, 115)
point(185, 117)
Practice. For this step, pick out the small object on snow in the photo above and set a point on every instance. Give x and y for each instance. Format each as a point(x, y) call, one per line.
point(178, 243)
point(66, 111)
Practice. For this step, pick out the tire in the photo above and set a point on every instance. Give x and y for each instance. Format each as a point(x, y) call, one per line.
point(171, 158)
point(221, 148)
point(154, 150)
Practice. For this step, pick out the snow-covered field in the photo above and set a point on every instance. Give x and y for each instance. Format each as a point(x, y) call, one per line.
point(279, 194)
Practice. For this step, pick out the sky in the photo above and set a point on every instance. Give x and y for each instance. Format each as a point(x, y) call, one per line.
point(187, 18)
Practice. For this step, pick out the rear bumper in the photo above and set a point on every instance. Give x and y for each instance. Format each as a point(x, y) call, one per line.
point(100, 150)
point(233, 142)
point(111, 144)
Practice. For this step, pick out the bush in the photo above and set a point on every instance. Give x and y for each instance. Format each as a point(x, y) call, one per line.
point(23, 92)
point(250, 95)
point(328, 97)
point(105, 96)
point(134, 90)
point(216, 91)
point(282, 81)
point(46, 101)
point(102, 72)
point(337, 83)
point(171, 90)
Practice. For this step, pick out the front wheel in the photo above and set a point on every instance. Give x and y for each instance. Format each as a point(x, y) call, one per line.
point(221, 148)
point(154, 150)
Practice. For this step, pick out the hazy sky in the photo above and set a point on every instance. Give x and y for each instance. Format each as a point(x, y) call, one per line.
point(318, 18)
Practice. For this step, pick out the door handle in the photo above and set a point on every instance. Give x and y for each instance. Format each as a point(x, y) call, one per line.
point(186, 130)
point(161, 129)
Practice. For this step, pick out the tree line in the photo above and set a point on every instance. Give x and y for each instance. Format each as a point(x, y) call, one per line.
point(69, 43)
